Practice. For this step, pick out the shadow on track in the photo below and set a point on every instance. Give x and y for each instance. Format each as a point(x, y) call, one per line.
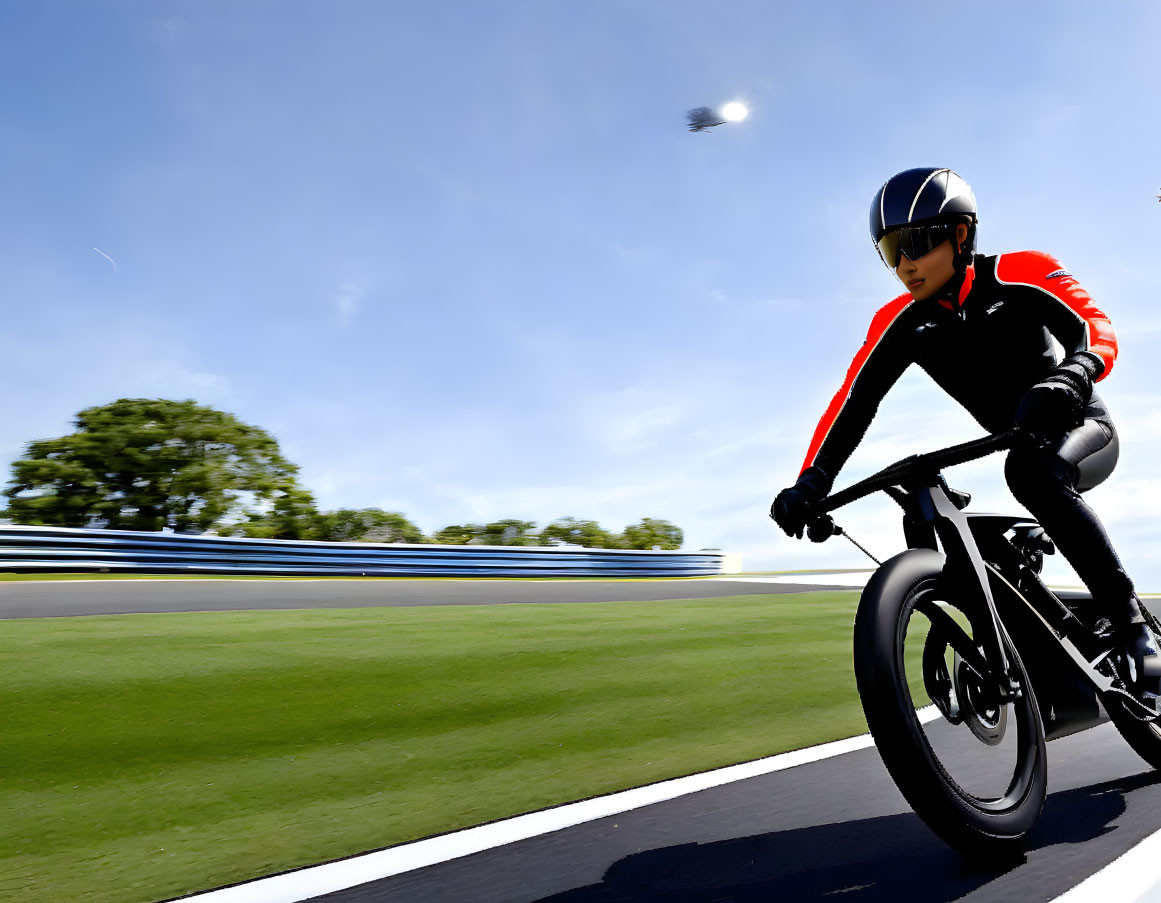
point(874, 860)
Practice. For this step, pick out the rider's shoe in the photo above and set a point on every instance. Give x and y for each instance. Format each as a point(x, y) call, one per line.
point(1142, 659)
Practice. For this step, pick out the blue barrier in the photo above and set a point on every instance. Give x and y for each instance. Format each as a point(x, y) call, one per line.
point(47, 549)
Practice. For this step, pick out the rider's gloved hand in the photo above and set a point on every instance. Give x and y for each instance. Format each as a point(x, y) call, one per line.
point(1055, 405)
point(792, 507)
point(821, 528)
point(1049, 410)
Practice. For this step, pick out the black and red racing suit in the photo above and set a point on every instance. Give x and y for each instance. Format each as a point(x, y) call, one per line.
point(986, 349)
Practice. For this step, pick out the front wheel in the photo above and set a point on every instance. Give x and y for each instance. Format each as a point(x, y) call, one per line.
point(972, 766)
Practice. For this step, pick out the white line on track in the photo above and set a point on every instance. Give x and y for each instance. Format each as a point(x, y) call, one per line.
point(313, 881)
point(1131, 878)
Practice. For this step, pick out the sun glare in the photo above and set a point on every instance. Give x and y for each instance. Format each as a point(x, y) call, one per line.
point(734, 111)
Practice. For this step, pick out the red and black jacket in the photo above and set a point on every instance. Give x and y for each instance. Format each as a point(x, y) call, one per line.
point(986, 354)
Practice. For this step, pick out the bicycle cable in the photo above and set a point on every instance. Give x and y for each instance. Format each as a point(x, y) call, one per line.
point(843, 532)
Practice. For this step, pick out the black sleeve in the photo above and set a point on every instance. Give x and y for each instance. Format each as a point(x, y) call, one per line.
point(876, 368)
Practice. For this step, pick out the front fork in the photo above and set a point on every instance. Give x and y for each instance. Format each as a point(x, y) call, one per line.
point(965, 578)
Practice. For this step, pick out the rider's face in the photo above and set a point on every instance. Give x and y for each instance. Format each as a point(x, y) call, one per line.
point(927, 275)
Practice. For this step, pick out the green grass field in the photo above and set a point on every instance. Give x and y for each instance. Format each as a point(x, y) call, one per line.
point(147, 756)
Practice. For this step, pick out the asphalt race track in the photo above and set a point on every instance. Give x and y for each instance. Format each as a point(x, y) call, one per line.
point(117, 597)
point(834, 830)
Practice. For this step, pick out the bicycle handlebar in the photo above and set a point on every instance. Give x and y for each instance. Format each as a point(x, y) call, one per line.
point(927, 464)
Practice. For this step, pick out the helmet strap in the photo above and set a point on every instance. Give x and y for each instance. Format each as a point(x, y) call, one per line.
point(965, 250)
point(955, 291)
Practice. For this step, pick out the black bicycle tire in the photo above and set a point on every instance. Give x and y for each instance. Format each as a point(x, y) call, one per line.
point(901, 742)
point(1144, 737)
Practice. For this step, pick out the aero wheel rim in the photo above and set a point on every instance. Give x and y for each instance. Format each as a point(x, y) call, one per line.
point(985, 750)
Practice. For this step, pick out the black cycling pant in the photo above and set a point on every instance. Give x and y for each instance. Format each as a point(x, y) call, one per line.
point(1048, 481)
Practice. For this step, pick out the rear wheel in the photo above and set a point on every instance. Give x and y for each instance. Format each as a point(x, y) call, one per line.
point(1143, 736)
point(973, 766)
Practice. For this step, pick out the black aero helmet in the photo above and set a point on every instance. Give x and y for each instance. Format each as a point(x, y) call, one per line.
point(924, 196)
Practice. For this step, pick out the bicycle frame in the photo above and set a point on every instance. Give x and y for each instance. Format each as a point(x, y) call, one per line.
point(987, 574)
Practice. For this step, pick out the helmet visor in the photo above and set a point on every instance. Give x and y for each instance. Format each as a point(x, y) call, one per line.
point(914, 241)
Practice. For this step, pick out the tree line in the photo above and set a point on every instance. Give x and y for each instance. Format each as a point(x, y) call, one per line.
point(155, 464)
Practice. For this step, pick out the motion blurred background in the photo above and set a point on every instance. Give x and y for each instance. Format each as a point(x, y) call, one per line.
point(465, 262)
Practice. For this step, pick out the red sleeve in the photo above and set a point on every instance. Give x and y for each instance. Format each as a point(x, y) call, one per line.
point(1045, 273)
point(879, 326)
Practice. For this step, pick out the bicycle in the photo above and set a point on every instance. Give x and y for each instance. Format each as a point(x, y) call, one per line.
point(1005, 663)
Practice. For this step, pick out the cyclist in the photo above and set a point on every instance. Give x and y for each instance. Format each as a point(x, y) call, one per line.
point(980, 326)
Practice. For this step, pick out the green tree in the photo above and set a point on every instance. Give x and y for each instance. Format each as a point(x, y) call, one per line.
point(151, 463)
point(587, 533)
point(508, 533)
point(456, 534)
point(290, 516)
point(652, 533)
point(366, 525)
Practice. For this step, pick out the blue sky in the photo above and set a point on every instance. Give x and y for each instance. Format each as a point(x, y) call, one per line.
point(465, 262)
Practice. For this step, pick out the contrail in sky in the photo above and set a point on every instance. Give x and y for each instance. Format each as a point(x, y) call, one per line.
point(108, 258)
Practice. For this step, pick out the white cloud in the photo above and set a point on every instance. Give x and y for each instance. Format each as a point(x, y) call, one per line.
point(917, 417)
point(347, 300)
point(704, 458)
point(629, 420)
point(172, 380)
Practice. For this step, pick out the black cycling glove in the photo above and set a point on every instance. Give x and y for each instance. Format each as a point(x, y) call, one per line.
point(1056, 404)
point(792, 508)
point(821, 528)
